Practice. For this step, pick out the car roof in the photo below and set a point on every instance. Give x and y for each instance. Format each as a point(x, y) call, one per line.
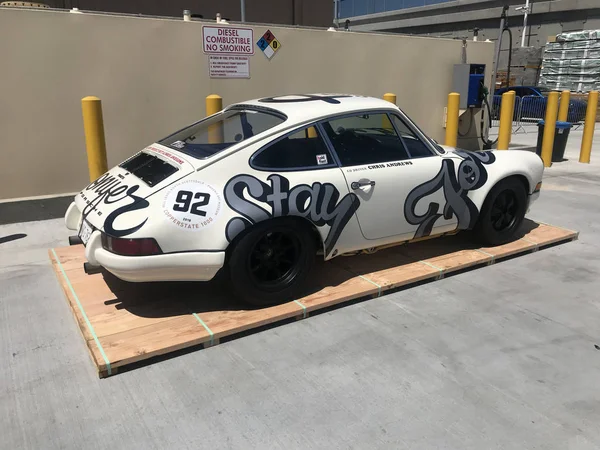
point(306, 107)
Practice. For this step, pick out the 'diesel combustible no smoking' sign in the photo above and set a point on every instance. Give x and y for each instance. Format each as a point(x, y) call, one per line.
point(228, 40)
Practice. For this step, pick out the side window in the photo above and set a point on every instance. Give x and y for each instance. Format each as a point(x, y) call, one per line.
point(365, 139)
point(303, 149)
point(416, 147)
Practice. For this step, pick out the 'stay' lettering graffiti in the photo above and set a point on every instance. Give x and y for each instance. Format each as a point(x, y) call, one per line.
point(318, 203)
point(471, 175)
point(109, 189)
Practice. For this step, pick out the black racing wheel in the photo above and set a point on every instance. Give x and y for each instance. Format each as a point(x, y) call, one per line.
point(270, 263)
point(503, 212)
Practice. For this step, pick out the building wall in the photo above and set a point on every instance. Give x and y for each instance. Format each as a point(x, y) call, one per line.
point(317, 13)
point(457, 19)
point(153, 78)
point(352, 8)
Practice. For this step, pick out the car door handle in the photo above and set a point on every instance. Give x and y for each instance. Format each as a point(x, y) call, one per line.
point(361, 183)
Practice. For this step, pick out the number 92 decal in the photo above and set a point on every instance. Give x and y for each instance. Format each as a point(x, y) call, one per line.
point(192, 205)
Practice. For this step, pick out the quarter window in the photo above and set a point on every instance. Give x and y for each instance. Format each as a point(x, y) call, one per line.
point(365, 139)
point(303, 149)
point(416, 147)
point(213, 135)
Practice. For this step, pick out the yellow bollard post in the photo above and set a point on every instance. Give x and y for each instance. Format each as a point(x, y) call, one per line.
point(95, 143)
point(588, 127)
point(549, 128)
point(563, 108)
point(311, 132)
point(507, 110)
point(452, 119)
point(386, 124)
point(390, 98)
point(214, 104)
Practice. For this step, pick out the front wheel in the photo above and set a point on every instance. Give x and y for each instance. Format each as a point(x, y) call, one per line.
point(271, 263)
point(503, 212)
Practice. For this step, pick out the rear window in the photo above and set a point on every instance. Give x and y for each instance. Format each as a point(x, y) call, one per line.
point(148, 168)
point(210, 136)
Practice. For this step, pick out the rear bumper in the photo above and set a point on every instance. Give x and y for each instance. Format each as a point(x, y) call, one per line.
point(186, 266)
point(73, 217)
point(182, 266)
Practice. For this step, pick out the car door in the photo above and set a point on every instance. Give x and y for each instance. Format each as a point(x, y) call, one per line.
point(384, 159)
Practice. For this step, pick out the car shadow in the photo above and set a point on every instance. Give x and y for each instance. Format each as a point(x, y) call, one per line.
point(12, 237)
point(168, 299)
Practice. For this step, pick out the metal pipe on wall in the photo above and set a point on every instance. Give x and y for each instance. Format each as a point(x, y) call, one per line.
point(243, 10)
point(525, 23)
point(497, 50)
point(526, 14)
point(335, 13)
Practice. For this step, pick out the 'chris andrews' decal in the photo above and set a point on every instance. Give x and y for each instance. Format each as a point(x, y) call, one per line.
point(110, 189)
point(471, 175)
point(318, 203)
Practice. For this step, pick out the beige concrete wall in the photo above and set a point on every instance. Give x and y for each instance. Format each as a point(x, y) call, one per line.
point(152, 77)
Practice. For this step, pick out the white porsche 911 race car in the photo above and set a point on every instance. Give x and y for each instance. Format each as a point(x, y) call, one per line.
point(261, 188)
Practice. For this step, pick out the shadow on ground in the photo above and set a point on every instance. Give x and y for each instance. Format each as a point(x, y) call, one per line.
point(166, 299)
point(12, 237)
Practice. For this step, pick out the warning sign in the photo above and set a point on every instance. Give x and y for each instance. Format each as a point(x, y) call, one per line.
point(225, 66)
point(228, 40)
point(268, 44)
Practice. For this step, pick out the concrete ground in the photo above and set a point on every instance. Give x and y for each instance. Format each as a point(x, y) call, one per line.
point(506, 357)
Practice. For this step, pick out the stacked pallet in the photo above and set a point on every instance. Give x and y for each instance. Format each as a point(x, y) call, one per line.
point(525, 65)
point(572, 62)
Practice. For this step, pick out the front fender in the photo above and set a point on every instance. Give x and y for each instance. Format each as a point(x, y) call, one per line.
point(510, 163)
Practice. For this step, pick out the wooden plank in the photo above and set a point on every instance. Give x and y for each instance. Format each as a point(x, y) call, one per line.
point(131, 322)
point(83, 328)
point(510, 249)
point(71, 257)
point(335, 285)
point(547, 234)
point(388, 269)
point(140, 343)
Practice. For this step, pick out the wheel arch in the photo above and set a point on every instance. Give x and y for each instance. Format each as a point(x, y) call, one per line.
point(304, 222)
point(482, 194)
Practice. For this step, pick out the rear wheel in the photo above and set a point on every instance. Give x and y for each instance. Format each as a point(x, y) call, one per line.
point(503, 212)
point(270, 264)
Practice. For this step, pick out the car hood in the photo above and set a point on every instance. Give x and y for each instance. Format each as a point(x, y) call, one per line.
point(126, 186)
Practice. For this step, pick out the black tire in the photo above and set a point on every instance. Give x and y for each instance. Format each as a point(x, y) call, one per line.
point(503, 212)
point(271, 263)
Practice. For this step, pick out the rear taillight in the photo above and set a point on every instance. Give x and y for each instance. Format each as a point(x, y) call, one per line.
point(130, 247)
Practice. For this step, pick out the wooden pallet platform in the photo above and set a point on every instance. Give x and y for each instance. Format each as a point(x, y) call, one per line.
point(125, 323)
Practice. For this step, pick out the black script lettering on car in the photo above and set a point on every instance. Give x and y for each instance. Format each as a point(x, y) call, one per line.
point(471, 175)
point(109, 189)
point(318, 203)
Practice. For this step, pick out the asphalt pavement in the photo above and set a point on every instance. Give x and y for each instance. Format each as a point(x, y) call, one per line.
point(501, 357)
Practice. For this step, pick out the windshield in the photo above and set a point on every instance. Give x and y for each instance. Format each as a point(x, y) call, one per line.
point(210, 136)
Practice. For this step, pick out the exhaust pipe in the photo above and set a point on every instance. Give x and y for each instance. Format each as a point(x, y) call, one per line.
point(75, 240)
point(91, 269)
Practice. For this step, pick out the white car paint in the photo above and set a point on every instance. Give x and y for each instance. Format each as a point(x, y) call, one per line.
point(234, 195)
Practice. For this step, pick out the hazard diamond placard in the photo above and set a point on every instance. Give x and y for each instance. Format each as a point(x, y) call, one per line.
point(268, 44)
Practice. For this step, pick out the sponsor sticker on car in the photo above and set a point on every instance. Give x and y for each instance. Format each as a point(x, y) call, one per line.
point(192, 205)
